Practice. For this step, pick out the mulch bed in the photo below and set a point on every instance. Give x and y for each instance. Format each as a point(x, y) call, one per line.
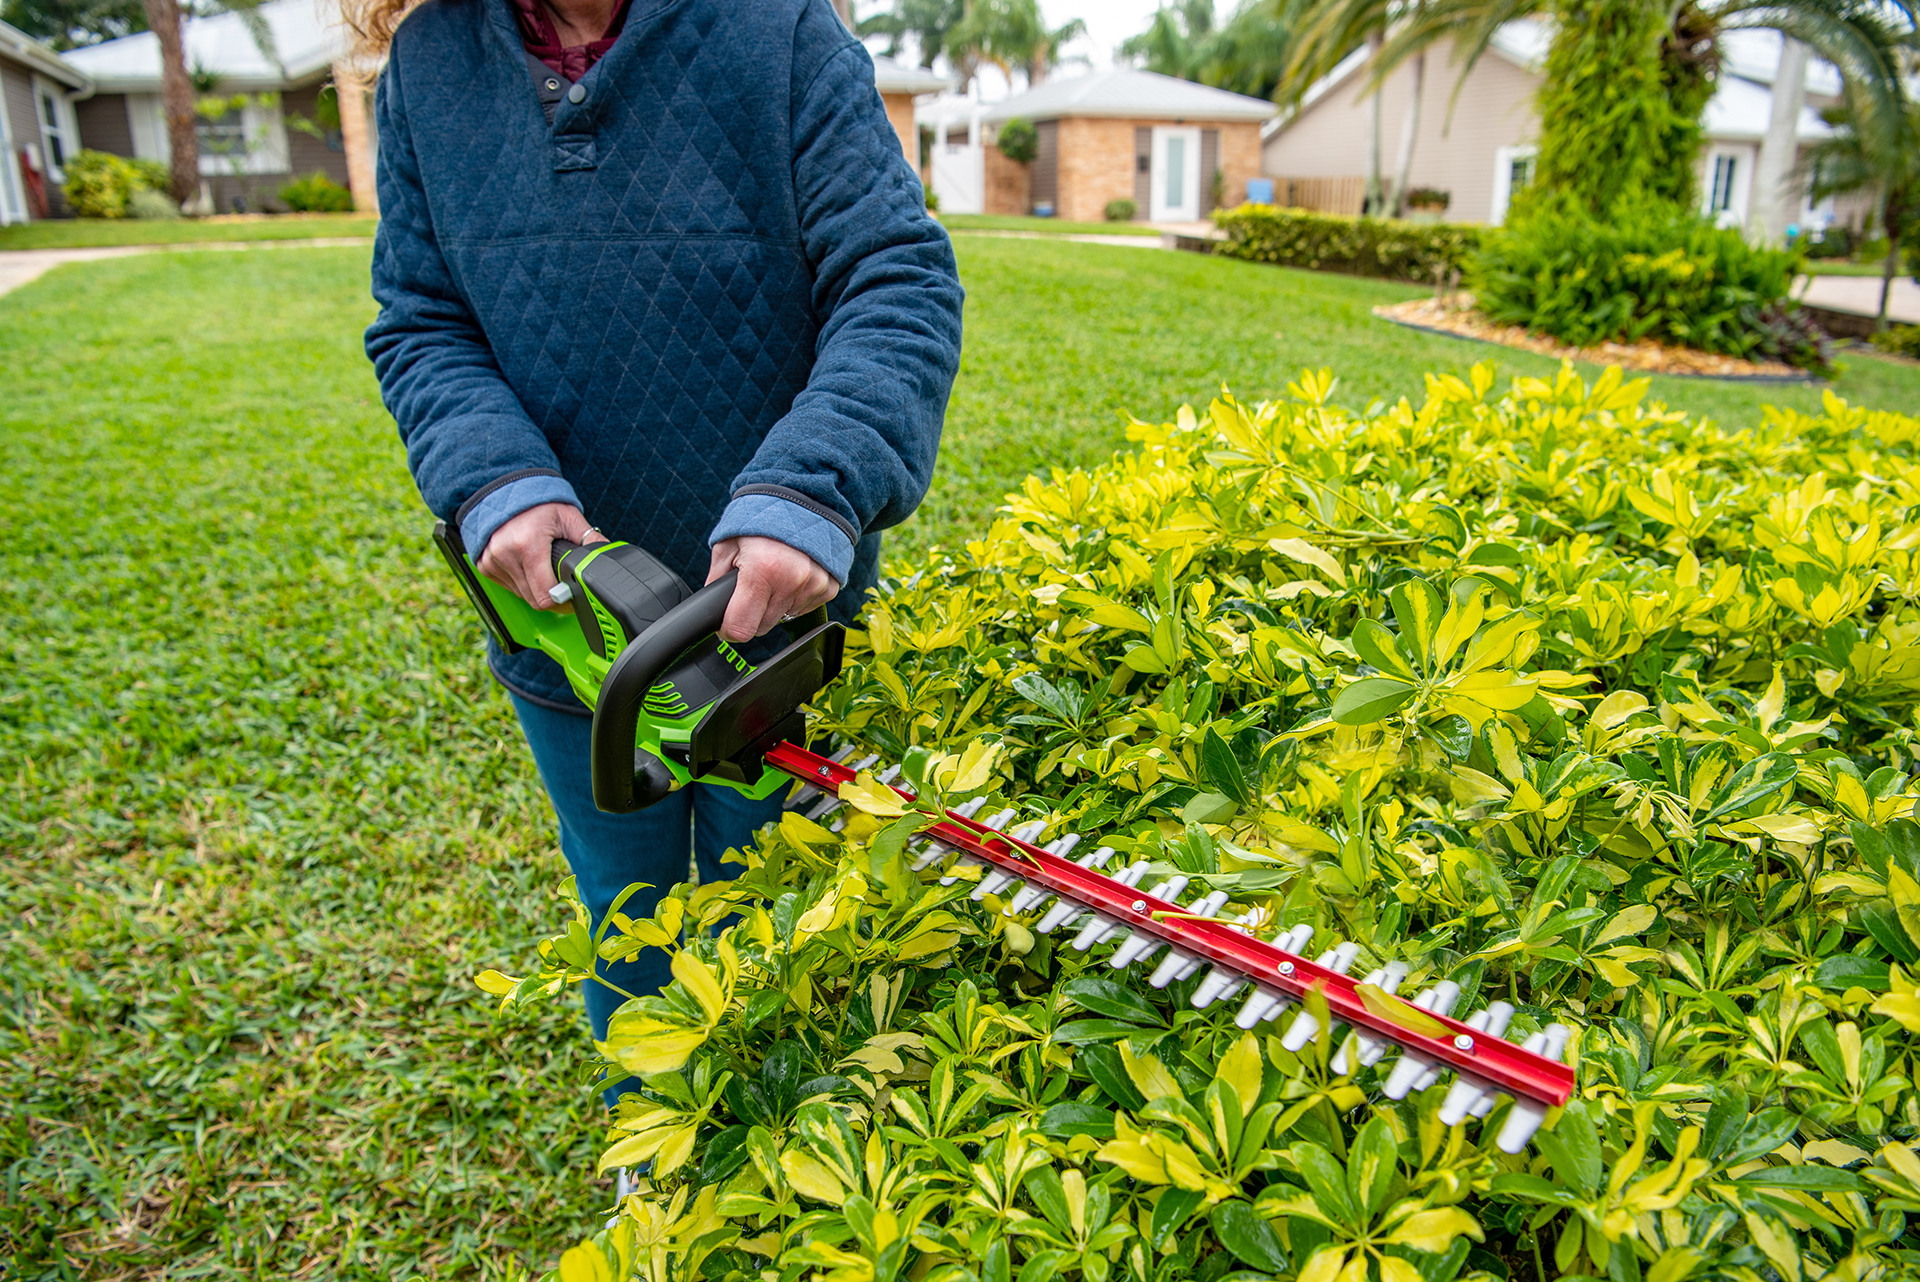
point(1461, 321)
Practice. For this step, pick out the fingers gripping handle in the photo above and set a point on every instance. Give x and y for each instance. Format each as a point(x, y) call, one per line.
point(625, 779)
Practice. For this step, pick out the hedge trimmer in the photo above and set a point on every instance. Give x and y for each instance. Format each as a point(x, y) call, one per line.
point(673, 703)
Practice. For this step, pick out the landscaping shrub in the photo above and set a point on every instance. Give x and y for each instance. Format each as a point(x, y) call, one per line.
point(316, 194)
point(1332, 242)
point(1121, 210)
point(1429, 198)
point(1588, 705)
point(99, 184)
point(1641, 273)
point(1018, 141)
point(147, 204)
point(1901, 340)
point(1834, 242)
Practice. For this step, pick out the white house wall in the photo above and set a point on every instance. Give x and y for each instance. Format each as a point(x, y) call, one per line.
point(1329, 139)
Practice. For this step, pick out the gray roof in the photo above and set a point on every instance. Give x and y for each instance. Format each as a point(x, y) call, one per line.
point(897, 77)
point(307, 38)
point(1133, 94)
point(17, 44)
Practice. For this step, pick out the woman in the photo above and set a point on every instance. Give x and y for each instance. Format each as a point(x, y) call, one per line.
point(653, 270)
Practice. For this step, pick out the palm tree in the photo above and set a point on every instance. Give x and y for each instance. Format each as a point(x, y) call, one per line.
point(1877, 150)
point(167, 19)
point(928, 22)
point(1177, 42)
point(1860, 37)
point(1009, 34)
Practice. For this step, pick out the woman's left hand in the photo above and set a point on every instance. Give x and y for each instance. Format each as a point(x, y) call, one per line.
point(776, 582)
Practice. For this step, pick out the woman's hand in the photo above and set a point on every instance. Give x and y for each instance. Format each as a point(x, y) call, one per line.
point(520, 553)
point(776, 582)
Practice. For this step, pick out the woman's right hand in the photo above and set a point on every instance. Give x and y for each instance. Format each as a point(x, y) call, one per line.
point(519, 556)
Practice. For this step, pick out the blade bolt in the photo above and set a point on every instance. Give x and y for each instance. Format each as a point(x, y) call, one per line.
point(1463, 1042)
point(1286, 968)
point(824, 772)
point(1139, 905)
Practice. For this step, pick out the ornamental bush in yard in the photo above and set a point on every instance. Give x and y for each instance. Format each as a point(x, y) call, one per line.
point(1586, 704)
point(1644, 272)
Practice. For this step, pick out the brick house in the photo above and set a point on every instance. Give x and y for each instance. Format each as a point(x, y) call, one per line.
point(292, 123)
point(1176, 149)
point(899, 85)
point(38, 131)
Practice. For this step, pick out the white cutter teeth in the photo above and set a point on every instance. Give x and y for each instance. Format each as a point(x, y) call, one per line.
point(1468, 1097)
point(968, 861)
point(806, 792)
point(1103, 926)
point(1526, 1115)
point(1466, 1089)
point(1405, 1075)
point(994, 882)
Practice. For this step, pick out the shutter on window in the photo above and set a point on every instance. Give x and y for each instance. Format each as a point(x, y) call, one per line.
point(1143, 169)
point(1209, 163)
point(1046, 165)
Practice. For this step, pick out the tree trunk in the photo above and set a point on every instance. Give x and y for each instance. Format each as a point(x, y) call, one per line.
point(176, 99)
point(1773, 201)
point(1372, 205)
point(1409, 130)
point(350, 91)
point(1892, 216)
point(845, 9)
point(1037, 68)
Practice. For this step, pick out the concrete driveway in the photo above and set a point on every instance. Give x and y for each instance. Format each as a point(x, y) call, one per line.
point(1861, 294)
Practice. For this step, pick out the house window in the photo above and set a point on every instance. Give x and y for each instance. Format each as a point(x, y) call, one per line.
point(224, 135)
point(1519, 174)
point(56, 128)
point(1721, 198)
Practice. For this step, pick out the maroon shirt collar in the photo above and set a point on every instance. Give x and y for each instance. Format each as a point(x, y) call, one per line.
point(543, 42)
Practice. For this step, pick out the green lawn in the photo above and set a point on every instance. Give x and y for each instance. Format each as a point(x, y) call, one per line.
point(1838, 267)
point(267, 816)
point(79, 233)
point(1014, 222)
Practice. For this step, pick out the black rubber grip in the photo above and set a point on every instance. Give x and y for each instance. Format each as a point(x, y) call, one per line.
point(560, 548)
point(616, 713)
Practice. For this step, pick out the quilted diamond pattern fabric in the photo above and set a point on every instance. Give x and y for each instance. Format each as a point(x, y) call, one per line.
point(714, 271)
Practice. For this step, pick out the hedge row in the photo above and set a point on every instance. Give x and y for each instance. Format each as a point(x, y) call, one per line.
point(1589, 706)
point(1333, 242)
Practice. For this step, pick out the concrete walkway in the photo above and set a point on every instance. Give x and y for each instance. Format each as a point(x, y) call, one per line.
point(1085, 238)
point(18, 266)
point(1861, 294)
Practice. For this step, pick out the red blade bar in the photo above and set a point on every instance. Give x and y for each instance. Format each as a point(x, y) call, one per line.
point(1494, 1060)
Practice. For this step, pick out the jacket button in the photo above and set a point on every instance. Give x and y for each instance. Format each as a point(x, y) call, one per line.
point(577, 94)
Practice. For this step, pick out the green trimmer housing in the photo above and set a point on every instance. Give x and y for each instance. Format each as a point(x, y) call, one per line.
point(672, 702)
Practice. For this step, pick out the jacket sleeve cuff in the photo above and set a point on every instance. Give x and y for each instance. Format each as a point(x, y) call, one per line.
point(497, 504)
point(782, 519)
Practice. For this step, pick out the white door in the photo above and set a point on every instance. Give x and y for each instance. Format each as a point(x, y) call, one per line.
point(1176, 175)
point(959, 165)
point(13, 204)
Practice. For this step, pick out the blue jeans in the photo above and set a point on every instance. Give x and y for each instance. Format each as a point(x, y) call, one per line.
point(608, 853)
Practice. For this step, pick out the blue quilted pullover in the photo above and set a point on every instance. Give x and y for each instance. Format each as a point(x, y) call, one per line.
point(705, 301)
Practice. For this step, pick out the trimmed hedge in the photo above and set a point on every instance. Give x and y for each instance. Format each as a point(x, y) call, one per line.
point(1333, 242)
point(1587, 705)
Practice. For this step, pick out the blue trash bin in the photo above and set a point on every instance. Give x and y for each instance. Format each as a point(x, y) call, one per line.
point(1260, 191)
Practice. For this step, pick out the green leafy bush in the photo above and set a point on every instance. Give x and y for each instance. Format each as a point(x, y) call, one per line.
point(1642, 273)
point(99, 184)
point(1586, 704)
point(146, 204)
point(1429, 198)
point(1120, 211)
point(1834, 242)
point(1332, 242)
point(316, 194)
point(1018, 141)
point(1901, 340)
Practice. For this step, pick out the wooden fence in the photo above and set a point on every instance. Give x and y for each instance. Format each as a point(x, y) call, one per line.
point(1328, 195)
